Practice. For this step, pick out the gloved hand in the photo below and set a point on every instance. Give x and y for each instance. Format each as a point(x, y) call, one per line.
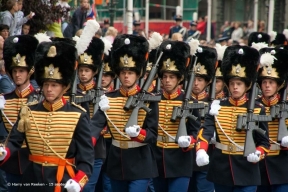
point(254, 157)
point(104, 103)
point(133, 131)
point(72, 186)
point(2, 102)
point(184, 141)
point(202, 158)
point(284, 141)
point(3, 153)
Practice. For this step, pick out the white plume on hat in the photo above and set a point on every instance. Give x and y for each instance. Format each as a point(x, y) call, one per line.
point(194, 44)
point(285, 32)
point(76, 38)
point(273, 35)
point(178, 11)
point(42, 37)
point(267, 59)
point(107, 46)
point(136, 16)
point(220, 51)
point(155, 41)
point(259, 46)
point(88, 33)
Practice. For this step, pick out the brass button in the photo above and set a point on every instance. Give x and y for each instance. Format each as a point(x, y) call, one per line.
point(166, 126)
point(50, 114)
point(49, 121)
point(47, 141)
point(48, 134)
point(47, 147)
point(166, 107)
point(48, 127)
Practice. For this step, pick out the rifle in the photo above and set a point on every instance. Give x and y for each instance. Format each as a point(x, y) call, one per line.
point(248, 121)
point(185, 111)
point(74, 86)
point(137, 102)
point(279, 111)
point(117, 83)
point(98, 92)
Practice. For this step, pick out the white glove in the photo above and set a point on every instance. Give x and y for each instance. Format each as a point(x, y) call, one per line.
point(184, 141)
point(284, 141)
point(3, 152)
point(133, 131)
point(202, 158)
point(72, 186)
point(104, 103)
point(254, 157)
point(2, 102)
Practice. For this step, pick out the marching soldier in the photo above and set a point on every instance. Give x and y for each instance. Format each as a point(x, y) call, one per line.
point(89, 64)
point(272, 77)
point(192, 32)
point(130, 163)
point(228, 169)
point(220, 94)
point(277, 39)
point(108, 75)
point(57, 132)
point(19, 54)
point(178, 28)
point(204, 73)
point(174, 160)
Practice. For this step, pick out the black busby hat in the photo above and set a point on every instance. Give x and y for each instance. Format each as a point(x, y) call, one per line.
point(240, 61)
point(107, 58)
point(220, 52)
point(152, 59)
point(277, 39)
point(19, 51)
point(258, 37)
point(66, 40)
point(206, 61)
point(129, 52)
point(273, 65)
point(175, 58)
point(93, 55)
point(55, 61)
point(106, 21)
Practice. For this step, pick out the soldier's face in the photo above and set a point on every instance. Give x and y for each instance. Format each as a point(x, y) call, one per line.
point(199, 85)
point(269, 87)
point(219, 85)
point(170, 82)
point(106, 80)
point(52, 91)
point(85, 74)
point(237, 88)
point(19, 75)
point(128, 78)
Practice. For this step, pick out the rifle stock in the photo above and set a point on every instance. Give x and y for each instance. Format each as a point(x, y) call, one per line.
point(137, 102)
point(99, 91)
point(74, 88)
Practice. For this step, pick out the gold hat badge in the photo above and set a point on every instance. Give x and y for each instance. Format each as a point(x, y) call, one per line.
point(19, 61)
point(107, 68)
point(169, 65)
point(126, 61)
point(200, 69)
point(52, 72)
point(85, 59)
point(218, 72)
point(149, 66)
point(238, 71)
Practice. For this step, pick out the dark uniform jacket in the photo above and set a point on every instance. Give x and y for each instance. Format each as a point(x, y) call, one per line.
point(178, 29)
point(273, 168)
point(128, 163)
point(59, 130)
point(19, 159)
point(229, 167)
point(173, 161)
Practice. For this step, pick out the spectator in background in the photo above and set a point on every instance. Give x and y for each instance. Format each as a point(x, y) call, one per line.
point(25, 29)
point(261, 26)
point(227, 29)
point(224, 27)
point(4, 31)
point(249, 29)
point(105, 27)
point(238, 32)
point(20, 19)
point(8, 16)
point(78, 19)
point(202, 26)
point(111, 33)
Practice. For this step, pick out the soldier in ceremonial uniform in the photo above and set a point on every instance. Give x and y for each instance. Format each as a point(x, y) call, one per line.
point(229, 169)
point(220, 94)
point(57, 132)
point(277, 39)
point(19, 54)
point(258, 37)
point(178, 28)
point(204, 72)
point(272, 77)
point(89, 64)
point(108, 75)
point(130, 162)
point(192, 32)
point(174, 160)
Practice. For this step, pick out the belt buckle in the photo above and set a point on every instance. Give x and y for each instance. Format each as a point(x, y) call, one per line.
point(165, 139)
point(231, 148)
point(123, 144)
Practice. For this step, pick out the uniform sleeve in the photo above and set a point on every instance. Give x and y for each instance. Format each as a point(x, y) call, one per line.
point(193, 126)
point(84, 150)
point(206, 132)
point(262, 141)
point(98, 122)
point(15, 141)
point(149, 131)
point(6, 85)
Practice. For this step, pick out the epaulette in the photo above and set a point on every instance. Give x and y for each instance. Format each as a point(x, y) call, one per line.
point(35, 102)
point(79, 107)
